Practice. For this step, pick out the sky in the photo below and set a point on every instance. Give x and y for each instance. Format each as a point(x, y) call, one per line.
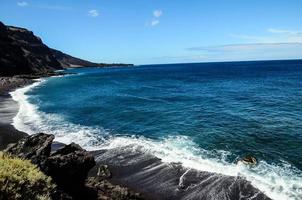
point(163, 31)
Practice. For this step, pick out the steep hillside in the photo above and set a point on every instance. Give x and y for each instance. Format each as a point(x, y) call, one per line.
point(21, 52)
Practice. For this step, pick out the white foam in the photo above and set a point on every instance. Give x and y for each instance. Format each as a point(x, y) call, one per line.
point(280, 182)
point(276, 181)
point(31, 120)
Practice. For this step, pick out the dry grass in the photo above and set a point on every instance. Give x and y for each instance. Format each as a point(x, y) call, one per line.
point(20, 179)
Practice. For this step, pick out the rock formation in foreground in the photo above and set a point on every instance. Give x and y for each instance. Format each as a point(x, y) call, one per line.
point(68, 167)
point(21, 52)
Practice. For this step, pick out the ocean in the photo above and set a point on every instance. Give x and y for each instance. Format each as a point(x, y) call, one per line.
point(205, 116)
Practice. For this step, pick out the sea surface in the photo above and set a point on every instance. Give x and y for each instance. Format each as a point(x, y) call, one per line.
point(205, 116)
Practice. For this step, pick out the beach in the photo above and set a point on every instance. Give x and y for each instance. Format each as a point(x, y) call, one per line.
point(8, 110)
point(139, 170)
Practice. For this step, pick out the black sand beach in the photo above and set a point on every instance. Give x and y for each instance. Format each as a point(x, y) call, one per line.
point(144, 173)
point(9, 109)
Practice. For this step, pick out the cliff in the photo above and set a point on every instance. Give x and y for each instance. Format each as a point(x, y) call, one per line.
point(21, 52)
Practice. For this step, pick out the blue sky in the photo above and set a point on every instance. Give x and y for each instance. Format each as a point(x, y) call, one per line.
point(163, 31)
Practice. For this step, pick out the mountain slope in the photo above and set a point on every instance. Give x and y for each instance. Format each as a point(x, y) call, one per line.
point(21, 52)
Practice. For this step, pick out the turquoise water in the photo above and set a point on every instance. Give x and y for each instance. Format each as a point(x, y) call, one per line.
point(214, 111)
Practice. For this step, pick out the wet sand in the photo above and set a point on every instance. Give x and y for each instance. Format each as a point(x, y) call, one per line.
point(154, 179)
point(9, 109)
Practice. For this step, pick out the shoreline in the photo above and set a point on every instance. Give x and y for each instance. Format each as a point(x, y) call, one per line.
point(160, 180)
point(9, 109)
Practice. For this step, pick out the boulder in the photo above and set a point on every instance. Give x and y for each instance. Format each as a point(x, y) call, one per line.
point(106, 190)
point(69, 166)
point(35, 148)
point(248, 160)
point(104, 172)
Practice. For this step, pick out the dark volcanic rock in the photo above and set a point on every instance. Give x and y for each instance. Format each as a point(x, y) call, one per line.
point(21, 52)
point(35, 148)
point(104, 172)
point(106, 190)
point(69, 167)
point(249, 160)
point(9, 83)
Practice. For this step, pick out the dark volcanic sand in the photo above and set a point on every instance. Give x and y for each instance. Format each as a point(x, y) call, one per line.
point(9, 109)
point(155, 179)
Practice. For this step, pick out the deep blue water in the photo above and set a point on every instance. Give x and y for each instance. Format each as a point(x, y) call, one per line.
point(238, 107)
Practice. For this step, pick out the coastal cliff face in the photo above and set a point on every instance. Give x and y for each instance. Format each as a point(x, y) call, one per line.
point(21, 52)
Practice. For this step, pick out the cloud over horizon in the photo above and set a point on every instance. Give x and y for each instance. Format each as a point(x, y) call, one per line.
point(273, 36)
point(250, 51)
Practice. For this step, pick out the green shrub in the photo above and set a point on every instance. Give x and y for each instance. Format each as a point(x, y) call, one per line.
point(20, 179)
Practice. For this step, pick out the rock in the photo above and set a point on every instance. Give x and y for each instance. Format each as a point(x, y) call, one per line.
point(106, 190)
point(69, 166)
point(35, 148)
point(104, 172)
point(248, 160)
point(10, 83)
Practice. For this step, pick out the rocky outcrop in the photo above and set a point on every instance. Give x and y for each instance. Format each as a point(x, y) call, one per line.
point(35, 148)
point(21, 52)
point(9, 83)
point(68, 167)
point(106, 190)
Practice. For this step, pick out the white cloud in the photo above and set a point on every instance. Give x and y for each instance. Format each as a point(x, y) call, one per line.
point(93, 13)
point(157, 13)
point(273, 36)
point(253, 38)
point(247, 47)
point(283, 31)
point(154, 22)
point(251, 51)
point(22, 3)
